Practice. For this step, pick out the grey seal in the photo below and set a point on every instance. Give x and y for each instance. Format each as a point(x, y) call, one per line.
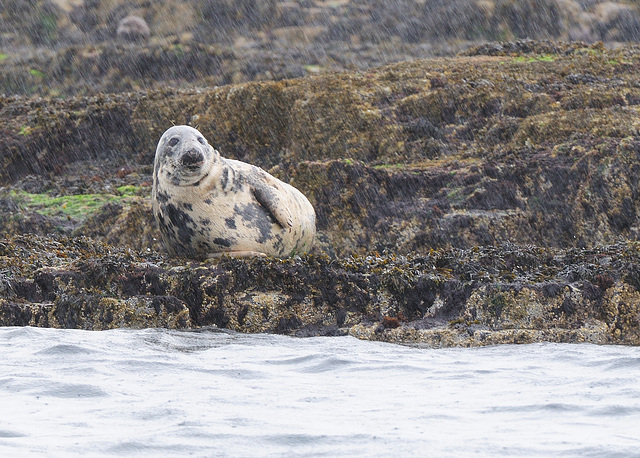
point(207, 206)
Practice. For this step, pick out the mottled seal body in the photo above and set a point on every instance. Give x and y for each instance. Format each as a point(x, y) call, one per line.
point(206, 205)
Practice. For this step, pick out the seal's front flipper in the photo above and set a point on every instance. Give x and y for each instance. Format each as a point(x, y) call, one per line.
point(268, 197)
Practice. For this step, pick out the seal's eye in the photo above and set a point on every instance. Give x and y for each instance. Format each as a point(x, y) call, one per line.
point(173, 142)
point(201, 140)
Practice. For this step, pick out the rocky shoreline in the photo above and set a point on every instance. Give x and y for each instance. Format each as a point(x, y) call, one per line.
point(484, 198)
point(446, 297)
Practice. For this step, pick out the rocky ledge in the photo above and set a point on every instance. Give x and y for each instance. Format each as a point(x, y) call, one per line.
point(486, 198)
point(445, 297)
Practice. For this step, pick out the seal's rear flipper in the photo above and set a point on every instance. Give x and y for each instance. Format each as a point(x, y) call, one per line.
point(237, 254)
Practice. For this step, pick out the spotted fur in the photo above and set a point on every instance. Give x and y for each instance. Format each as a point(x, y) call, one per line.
point(206, 205)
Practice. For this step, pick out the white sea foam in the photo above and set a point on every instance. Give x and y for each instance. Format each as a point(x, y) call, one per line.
point(212, 393)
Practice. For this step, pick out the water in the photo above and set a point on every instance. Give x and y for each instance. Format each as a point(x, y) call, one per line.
point(166, 393)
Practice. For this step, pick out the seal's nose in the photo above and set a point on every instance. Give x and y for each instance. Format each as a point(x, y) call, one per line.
point(192, 158)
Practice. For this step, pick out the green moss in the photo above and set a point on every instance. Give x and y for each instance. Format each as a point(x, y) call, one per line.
point(390, 166)
point(74, 207)
point(541, 58)
point(496, 305)
point(3, 57)
point(617, 62)
point(592, 51)
point(455, 196)
point(177, 49)
point(49, 24)
point(37, 73)
point(24, 131)
point(129, 190)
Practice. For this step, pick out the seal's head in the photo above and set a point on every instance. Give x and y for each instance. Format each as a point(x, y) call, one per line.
point(184, 157)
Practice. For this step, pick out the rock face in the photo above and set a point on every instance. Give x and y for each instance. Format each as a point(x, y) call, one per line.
point(523, 143)
point(485, 198)
point(446, 297)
